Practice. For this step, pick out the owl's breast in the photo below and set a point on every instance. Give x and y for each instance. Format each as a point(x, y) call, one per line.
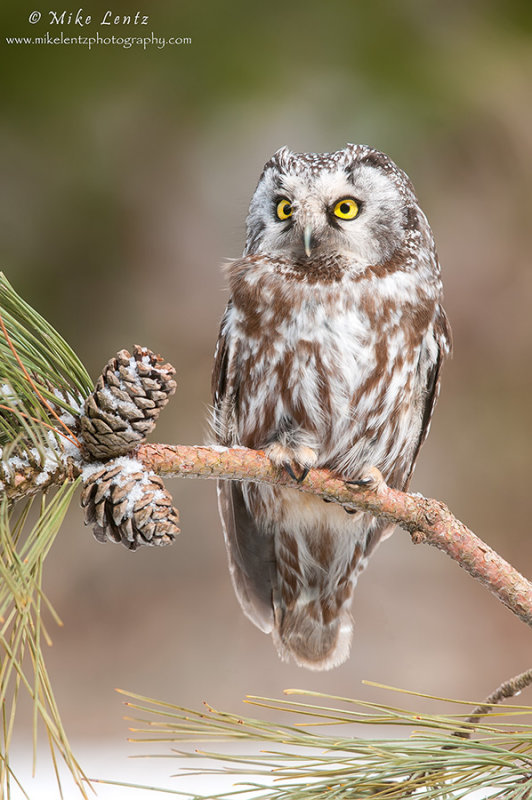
point(302, 352)
point(331, 366)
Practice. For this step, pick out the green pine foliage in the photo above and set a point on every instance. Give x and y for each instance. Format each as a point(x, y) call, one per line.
point(432, 756)
point(39, 375)
point(42, 387)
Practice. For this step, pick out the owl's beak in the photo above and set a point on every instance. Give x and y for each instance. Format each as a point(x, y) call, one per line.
point(307, 239)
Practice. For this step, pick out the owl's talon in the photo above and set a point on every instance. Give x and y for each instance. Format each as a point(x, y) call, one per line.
point(361, 482)
point(304, 472)
point(288, 467)
point(292, 459)
point(371, 480)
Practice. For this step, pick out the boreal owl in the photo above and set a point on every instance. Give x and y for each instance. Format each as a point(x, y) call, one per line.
point(329, 356)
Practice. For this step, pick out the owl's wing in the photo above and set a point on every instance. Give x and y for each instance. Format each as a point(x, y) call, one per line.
point(221, 356)
point(443, 338)
point(250, 552)
point(251, 556)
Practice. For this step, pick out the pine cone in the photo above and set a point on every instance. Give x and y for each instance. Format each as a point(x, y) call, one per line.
point(124, 503)
point(125, 404)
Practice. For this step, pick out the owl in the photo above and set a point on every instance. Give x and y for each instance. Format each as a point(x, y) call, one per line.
point(329, 356)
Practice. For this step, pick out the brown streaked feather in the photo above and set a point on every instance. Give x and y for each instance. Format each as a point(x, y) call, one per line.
point(444, 339)
point(219, 372)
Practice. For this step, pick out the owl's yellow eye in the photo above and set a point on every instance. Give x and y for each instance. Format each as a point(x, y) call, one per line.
point(346, 208)
point(284, 209)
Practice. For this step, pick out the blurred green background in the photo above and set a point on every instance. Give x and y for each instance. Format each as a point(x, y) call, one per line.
point(126, 175)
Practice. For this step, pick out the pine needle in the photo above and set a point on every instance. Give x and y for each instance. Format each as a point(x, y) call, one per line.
point(22, 663)
point(43, 385)
point(41, 379)
point(432, 762)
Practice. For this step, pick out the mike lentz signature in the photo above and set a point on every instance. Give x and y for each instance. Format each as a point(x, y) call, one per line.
point(108, 18)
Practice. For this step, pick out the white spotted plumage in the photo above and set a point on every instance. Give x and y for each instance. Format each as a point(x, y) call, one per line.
point(329, 356)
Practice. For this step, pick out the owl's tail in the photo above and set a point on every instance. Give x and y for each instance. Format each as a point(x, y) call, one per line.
point(314, 633)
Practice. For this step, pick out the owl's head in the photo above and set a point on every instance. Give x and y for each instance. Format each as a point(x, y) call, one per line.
point(355, 202)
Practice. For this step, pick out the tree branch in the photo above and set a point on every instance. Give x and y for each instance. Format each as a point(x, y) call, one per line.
point(508, 689)
point(426, 520)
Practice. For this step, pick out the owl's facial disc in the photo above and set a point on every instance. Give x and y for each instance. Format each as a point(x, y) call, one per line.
point(353, 210)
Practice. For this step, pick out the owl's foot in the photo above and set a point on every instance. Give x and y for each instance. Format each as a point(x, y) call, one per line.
point(372, 479)
point(292, 459)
